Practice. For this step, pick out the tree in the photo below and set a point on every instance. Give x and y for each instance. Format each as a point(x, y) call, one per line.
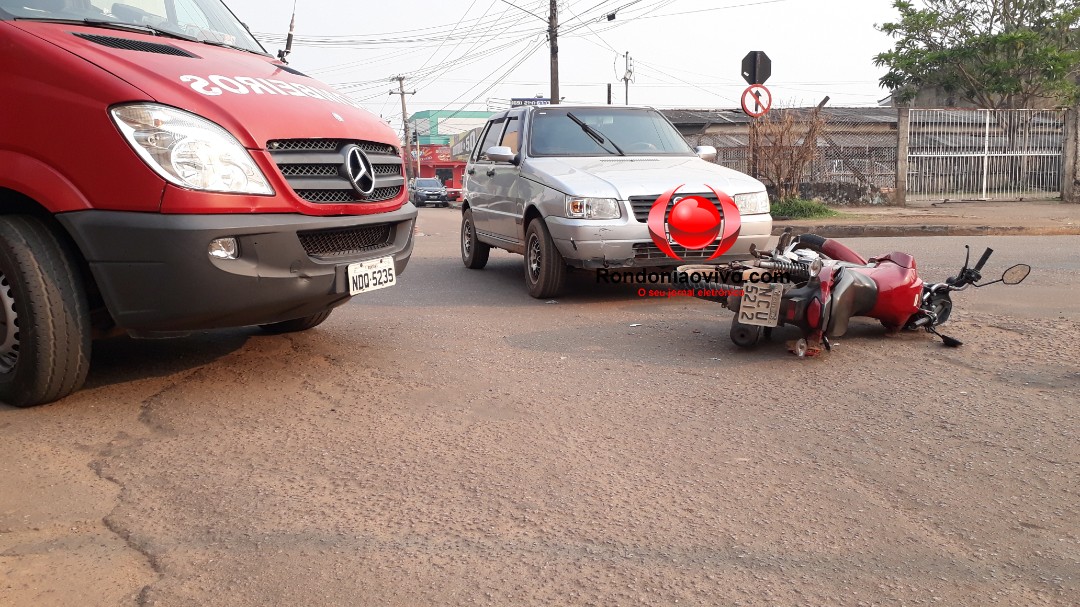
point(785, 143)
point(997, 54)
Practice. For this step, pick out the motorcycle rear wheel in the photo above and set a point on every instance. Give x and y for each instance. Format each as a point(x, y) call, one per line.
point(745, 336)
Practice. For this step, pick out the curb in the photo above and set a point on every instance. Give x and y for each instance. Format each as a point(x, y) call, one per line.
point(871, 230)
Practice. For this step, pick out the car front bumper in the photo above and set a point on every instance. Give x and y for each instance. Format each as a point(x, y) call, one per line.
point(610, 244)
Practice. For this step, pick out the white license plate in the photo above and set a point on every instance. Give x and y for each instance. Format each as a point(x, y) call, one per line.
point(760, 304)
point(373, 275)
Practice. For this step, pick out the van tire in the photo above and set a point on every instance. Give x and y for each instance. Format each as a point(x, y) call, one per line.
point(474, 254)
point(297, 324)
point(44, 317)
point(545, 268)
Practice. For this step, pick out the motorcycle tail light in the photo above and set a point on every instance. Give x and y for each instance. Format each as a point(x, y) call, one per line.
point(813, 313)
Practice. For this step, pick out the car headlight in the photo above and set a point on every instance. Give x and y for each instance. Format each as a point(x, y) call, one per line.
point(752, 204)
point(592, 208)
point(189, 150)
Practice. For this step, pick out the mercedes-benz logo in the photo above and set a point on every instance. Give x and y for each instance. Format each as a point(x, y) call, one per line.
point(358, 170)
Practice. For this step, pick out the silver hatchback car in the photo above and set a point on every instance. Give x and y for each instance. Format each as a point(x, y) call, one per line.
point(574, 186)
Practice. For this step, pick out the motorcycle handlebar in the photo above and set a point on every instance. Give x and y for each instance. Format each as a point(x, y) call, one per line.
point(982, 260)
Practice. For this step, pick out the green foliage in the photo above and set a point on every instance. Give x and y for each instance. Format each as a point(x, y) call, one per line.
point(799, 208)
point(996, 54)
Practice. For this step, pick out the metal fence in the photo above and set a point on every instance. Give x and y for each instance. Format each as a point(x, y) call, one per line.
point(855, 160)
point(985, 154)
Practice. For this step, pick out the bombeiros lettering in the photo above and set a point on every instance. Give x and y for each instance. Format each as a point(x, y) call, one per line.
point(214, 85)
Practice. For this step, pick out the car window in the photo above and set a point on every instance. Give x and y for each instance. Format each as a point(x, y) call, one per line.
point(512, 136)
point(491, 138)
point(428, 183)
point(635, 131)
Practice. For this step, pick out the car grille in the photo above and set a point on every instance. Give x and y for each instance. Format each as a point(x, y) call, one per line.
point(648, 250)
point(314, 169)
point(642, 204)
point(340, 242)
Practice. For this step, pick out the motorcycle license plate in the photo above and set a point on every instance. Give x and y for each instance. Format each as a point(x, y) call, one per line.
point(760, 304)
point(367, 276)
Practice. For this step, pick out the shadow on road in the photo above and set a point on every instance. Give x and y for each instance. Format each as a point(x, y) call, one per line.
point(122, 359)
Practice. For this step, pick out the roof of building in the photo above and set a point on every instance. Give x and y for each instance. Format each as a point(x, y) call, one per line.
point(702, 117)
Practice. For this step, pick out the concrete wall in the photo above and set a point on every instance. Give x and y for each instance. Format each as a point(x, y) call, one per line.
point(1070, 186)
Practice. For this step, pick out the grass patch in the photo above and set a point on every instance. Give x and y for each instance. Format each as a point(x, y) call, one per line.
point(798, 208)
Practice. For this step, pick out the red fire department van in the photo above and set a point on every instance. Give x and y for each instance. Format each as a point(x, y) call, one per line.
point(161, 173)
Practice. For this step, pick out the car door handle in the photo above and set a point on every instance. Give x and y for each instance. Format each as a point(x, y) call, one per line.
point(491, 172)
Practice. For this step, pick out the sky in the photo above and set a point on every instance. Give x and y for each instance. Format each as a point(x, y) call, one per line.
point(477, 54)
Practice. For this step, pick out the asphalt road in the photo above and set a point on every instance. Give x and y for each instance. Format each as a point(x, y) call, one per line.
point(451, 441)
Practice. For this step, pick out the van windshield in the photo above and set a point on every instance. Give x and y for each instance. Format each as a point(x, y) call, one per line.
point(623, 131)
point(207, 21)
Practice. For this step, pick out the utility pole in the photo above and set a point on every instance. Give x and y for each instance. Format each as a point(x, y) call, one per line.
point(628, 75)
point(553, 38)
point(405, 123)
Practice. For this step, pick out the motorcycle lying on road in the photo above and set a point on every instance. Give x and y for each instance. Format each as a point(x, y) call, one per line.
point(826, 284)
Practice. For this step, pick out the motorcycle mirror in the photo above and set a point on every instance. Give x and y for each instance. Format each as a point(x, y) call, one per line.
point(1016, 274)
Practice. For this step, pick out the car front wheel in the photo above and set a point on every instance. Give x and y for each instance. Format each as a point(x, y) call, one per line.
point(545, 269)
point(474, 254)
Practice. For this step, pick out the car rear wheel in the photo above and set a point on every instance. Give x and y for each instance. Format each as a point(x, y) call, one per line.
point(44, 318)
point(474, 254)
point(545, 269)
point(297, 324)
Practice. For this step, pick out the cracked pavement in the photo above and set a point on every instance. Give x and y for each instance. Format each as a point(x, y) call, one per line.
point(451, 441)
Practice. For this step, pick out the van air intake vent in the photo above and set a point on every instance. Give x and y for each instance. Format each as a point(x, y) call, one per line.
point(128, 44)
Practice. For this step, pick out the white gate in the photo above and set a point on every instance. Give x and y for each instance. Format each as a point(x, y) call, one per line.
point(985, 154)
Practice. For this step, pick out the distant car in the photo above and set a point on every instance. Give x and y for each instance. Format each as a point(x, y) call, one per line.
point(425, 191)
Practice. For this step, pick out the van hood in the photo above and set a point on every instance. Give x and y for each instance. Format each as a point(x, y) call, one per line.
point(253, 96)
point(624, 176)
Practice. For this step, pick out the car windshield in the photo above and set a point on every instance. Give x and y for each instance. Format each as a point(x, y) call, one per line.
point(207, 21)
point(629, 131)
point(428, 183)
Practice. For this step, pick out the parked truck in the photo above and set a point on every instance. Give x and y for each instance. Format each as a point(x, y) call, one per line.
point(161, 173)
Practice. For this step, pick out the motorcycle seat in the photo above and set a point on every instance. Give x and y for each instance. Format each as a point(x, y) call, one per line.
point(904, 260)
point(854, 294)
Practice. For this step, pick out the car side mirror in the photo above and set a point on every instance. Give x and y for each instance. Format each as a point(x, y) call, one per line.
point(706, 152)
point(1016, 274)
point(500, 153)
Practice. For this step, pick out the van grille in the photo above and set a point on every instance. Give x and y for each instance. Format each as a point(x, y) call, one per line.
point(316, 169)
point(128, 44)
point(341, 242)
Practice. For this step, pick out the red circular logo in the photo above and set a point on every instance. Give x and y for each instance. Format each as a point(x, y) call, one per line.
point(694, 222)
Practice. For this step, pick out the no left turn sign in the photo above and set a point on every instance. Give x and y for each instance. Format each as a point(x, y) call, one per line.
point(756, 100)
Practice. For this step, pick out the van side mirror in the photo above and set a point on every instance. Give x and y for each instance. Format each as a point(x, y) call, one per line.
point(706, 152)
point(500, 153)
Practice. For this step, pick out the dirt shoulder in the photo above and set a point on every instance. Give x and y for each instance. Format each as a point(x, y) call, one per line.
point(1033, 218)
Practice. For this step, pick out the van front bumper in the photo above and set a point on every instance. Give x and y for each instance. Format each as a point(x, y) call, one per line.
point(589, 244)
point(155, 274)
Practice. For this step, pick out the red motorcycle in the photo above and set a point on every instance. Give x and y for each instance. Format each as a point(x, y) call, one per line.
point(818, 285)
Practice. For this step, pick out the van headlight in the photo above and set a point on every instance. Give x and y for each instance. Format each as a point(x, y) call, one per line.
point(752, 204)
point(592, 208)
point(189, 150)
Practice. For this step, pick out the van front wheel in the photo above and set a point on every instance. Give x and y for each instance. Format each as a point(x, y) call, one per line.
point(44, 319)
point(297, 324)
